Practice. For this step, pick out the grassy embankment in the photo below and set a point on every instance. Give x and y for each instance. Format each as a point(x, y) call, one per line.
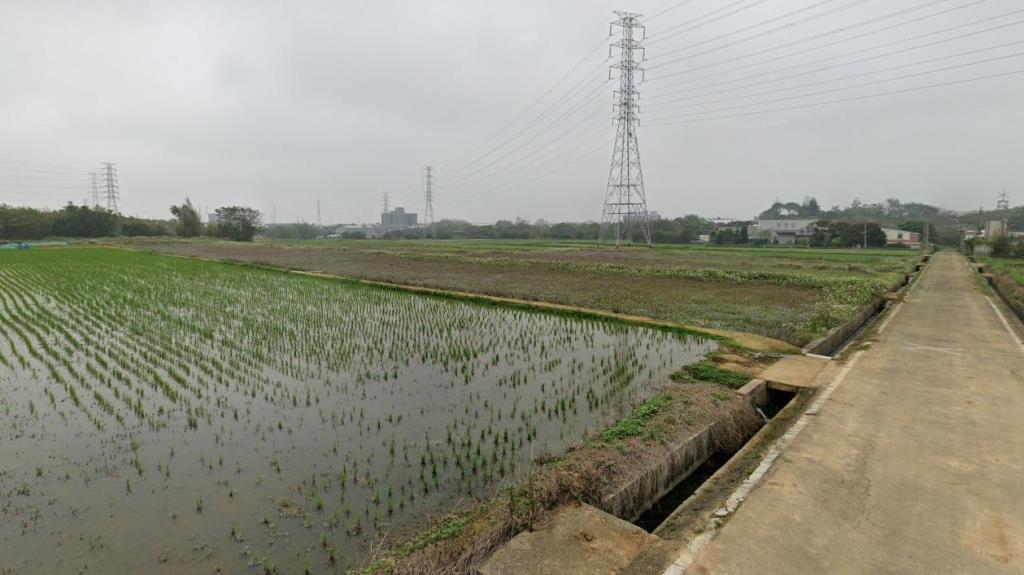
point(1009, 277)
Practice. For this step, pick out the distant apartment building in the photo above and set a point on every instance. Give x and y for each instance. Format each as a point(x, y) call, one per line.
point(894, 237)
point(397, 219)
point(785, 232)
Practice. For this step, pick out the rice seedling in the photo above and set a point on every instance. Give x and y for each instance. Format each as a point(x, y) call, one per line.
point(386, 406)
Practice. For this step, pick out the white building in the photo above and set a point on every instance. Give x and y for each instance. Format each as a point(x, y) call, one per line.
point(894, 237)
point(783, 232)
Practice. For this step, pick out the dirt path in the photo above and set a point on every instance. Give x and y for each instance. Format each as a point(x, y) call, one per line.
point(915, 462)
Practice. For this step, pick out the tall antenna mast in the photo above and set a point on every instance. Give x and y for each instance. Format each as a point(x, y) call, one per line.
point(625, 204)
point(428, 201)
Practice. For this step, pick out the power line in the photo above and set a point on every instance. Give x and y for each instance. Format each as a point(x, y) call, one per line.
point(568, 114)
point(811, 38)
point(596, 90)
point(852, 87)
point(557, 163)
point(811, 18)
point(657, 36)
point(581, 139)
point(667, 9)
point(534, 104)
point(532, 170)
point(43, 165)
point(839, 100)
point(575, 129)
point(774, 77)
point(839, 79)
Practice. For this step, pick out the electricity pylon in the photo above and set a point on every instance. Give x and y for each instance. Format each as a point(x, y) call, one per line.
point(428, 201)
point(625, 203)
point(111, 190)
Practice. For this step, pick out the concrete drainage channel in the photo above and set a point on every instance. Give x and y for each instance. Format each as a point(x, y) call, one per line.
point(769, 403)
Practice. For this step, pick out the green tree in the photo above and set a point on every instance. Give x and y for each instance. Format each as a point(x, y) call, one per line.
point(810, 208)
point(189, 225)
point(238, 223)
point(24, 223)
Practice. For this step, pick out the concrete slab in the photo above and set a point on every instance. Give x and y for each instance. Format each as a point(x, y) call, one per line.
point(794, 373)
point(581, 540)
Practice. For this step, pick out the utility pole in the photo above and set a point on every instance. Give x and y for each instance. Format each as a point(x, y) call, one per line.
point(428, 202)
point(111, 190)
point(94, 190)
point(865, 235)
point(625, 203)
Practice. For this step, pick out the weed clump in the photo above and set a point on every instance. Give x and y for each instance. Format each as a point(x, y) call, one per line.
point(709, 371)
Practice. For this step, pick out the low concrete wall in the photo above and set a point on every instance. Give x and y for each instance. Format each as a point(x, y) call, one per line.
point(755, 392)
point(637, 495)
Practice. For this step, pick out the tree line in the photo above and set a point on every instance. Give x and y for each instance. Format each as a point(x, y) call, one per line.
point(72, 221)
point(78, 221)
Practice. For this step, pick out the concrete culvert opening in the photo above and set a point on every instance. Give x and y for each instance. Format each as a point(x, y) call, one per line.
point(774, 401)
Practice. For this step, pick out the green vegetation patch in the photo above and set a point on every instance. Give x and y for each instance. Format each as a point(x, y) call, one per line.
point(709, 371)
point(636, 422)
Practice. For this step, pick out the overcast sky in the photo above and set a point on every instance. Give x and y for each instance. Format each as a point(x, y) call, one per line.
point(278, 104)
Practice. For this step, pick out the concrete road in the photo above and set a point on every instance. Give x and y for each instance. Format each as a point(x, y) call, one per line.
point(915, 463)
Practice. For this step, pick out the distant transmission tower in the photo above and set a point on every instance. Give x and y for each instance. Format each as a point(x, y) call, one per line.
point(319, 222)
point(386, 203)
point(1004, 202)
point(111, 190)
point(625, 205)
point(94, 190)
point(428, 201)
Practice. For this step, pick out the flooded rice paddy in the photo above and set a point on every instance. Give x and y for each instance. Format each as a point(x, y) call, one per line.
point(165, 415)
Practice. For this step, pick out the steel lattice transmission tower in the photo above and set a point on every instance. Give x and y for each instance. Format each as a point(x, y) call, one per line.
point(94, 190)
point(1004, 202)
point(111, 190)
point(428, 201)
point(625, 204)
